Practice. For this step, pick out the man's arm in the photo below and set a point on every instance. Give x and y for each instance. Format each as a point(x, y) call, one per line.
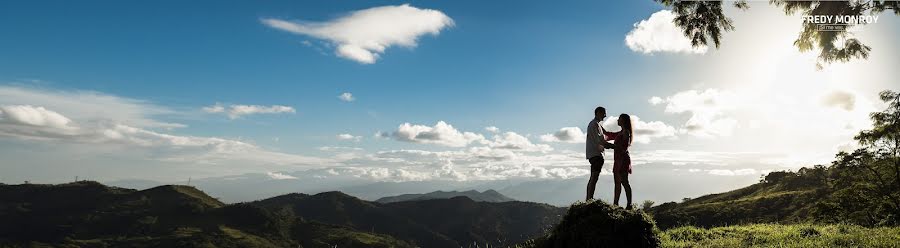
point(594, 134)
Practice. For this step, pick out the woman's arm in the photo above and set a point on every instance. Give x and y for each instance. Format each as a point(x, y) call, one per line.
point(610, 135)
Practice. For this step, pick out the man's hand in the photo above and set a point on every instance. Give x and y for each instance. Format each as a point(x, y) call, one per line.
point(605, 145)
point(608, 145)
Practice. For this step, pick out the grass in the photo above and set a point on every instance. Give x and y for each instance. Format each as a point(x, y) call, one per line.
point(775, 235)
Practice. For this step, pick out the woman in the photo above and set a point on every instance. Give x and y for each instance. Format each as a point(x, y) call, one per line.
point(621, 159)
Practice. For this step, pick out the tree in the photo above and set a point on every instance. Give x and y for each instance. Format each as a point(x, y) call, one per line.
point(647, 204)
point(702, 21)
point(875, 168)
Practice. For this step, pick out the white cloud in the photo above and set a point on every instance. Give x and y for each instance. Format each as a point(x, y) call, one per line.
point(90, 106)
point(279, 176)
point(659, 34)
point(474, 163)
point(514, 141)
point(71, 119)
point(739, 172)
point(347, 136)
point(30, 122)
point(644, 132)
point(363, 35)
point(236, 111)
point(708, 111)
point(492, 129)
point(346, 96)
point(566, 134)
point(440, 134)
point(655, 100)
point(838, 98)
point(33, 116)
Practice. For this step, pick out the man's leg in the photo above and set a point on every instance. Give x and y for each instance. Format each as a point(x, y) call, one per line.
point(596, 165)
point(592, 183)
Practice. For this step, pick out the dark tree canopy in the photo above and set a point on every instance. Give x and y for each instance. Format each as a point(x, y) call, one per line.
point(702, 21)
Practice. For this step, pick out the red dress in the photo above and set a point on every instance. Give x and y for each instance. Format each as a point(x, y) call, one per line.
point(621, 158)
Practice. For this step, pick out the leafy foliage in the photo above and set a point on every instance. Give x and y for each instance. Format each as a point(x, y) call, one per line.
point(701, 21)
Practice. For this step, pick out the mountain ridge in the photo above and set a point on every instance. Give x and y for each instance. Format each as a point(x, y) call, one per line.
point(489, 195)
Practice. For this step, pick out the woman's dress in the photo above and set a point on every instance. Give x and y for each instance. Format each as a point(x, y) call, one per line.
point(621, 157)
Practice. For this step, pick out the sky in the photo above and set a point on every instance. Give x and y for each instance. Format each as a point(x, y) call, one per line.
point(456, 91)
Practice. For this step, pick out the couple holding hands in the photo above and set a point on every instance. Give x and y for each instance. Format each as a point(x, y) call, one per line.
point(597, 142)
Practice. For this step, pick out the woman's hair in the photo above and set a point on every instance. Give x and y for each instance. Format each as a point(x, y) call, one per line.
point(626, 126)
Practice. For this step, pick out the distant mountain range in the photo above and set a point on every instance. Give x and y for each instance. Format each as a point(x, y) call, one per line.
point(486, 196)
point(558, 192)
point(91, 214)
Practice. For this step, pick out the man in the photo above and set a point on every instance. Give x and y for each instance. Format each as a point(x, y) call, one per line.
point(594, 146)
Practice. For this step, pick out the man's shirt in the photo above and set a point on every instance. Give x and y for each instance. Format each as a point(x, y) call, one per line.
point(594, 139)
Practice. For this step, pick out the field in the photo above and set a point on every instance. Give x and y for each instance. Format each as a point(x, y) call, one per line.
point(775, 235)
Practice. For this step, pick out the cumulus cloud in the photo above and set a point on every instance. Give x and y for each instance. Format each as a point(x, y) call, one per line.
point(514, 141)
point(474, 163)
point(492, 129)
point(90, 106)
point(566, 134)
point(33, 116)
point(346, 96)
point(644, 132)
point(236, 111)
point(364, 35)
point(279, 176)
point(707, 109)
point(659, 34)
point(347, 136)
point(441, 134)
point(840, 99)
point(31, 122)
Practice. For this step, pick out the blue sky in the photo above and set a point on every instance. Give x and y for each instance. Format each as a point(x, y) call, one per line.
point(531, 68)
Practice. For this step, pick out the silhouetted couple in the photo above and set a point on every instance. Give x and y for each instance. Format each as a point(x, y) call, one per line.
point(597, 142)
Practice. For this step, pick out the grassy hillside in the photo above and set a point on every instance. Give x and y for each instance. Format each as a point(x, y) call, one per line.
point(775, 235)
point(792, 199)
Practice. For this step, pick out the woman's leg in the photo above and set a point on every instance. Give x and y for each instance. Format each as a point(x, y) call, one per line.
point(617, 190)
point(592, 183)
point(624, 180)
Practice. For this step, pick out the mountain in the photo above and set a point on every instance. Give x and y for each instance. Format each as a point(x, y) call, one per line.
point(90, 214)
point(450, 222)
point(486, 196)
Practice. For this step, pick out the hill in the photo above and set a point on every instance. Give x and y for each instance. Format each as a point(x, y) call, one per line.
point(825, 195)
point(598, 224)
point(450, 222)
point(93, 215)
point(486, 196)
point(785, 197)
